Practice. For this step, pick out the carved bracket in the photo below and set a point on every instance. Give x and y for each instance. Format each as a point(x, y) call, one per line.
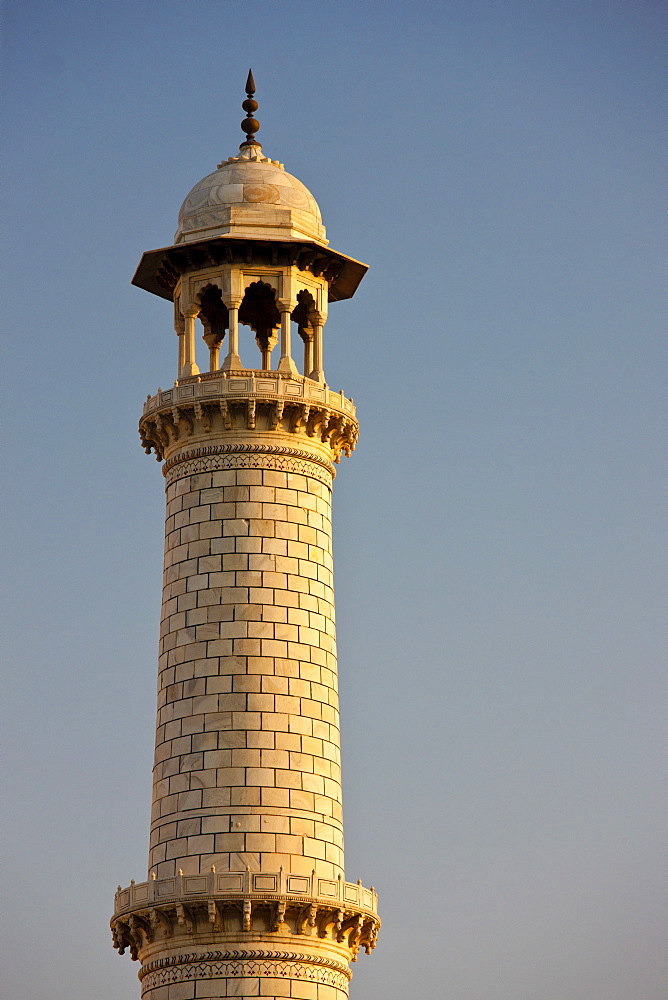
point(184, 918)
point(215, 916)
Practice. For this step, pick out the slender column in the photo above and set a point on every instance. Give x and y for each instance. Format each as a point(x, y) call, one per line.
point(266, 347)
point(213, 343)
point(232, 360)
point(182, 351)
point(308, 355)
point(189, 365)
point(286, 364)
point(180, 330)
point(317, 373)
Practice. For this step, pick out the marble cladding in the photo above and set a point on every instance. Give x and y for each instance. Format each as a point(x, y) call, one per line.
point(247, 767)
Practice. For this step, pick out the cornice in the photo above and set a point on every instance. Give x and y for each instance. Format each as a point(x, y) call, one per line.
point(159, 270)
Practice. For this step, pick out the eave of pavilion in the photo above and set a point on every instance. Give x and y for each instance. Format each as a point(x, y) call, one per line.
point(159, 270)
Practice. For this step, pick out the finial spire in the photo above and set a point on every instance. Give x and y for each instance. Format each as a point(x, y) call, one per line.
point(250, 125)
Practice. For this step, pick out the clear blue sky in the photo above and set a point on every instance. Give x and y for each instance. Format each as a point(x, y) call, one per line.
point(500, 540)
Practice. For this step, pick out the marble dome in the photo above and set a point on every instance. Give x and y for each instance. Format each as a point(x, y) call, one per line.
point(250, 195)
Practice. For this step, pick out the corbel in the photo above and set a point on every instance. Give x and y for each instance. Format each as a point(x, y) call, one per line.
point(300, 417)
point(203, 416)
point(140, 927)
point(277, 414)
point(329, 425)
point(247, 914)
point(161, 431)
point(179, 414)
point(329, 917)
point(314, 418)
point(278, 915)
point(215, 916)
point(120, 934)
point(307, 918)
point(184, 918)
point(150, 443)
point(176, 420)
point(225, 414)
point(354, 925)
point(369, 935)
point(250, 414)
point(160, 921)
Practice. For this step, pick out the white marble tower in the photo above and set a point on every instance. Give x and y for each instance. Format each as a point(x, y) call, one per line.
point(246, 893)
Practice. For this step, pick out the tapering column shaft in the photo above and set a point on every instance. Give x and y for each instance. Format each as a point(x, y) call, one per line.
point(318, 371)
point(247, 751)
point(182, 352)
point(246, 894)
point(286, 363)
point(308, 356)
point(189, 364)
point(232, 359)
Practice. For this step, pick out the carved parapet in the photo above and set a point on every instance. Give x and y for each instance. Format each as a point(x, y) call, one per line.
point(242, 885)
point(251, 408)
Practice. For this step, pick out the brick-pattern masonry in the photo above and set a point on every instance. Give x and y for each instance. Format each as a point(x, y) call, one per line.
point(247, 767)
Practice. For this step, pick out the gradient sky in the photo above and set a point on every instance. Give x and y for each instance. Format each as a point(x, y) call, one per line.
point(498, 537)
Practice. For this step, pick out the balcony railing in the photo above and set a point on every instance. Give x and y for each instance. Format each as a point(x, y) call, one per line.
point(249, 384)
point(245, 884)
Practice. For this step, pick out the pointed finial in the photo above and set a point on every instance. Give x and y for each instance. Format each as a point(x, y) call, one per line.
point(250, 125)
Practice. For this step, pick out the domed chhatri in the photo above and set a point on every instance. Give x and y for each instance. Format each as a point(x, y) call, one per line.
point(249, 208)
point(250, 195)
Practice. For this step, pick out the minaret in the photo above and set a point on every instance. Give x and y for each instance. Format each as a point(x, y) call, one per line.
point(246, 893)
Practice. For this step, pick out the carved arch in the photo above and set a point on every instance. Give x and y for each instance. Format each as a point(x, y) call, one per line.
point(302, 315)
point(259, 311)
point(214, 317)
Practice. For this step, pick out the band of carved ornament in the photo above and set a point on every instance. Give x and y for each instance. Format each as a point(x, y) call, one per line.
point(222, 457)
point(193, 958)
point(276, 968)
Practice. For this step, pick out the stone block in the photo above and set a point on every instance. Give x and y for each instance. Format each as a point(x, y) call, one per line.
point(303, 990)
point(275, 797)
point(211, 989)
point(182, 991)
point(239, 987)
point(270, 987)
